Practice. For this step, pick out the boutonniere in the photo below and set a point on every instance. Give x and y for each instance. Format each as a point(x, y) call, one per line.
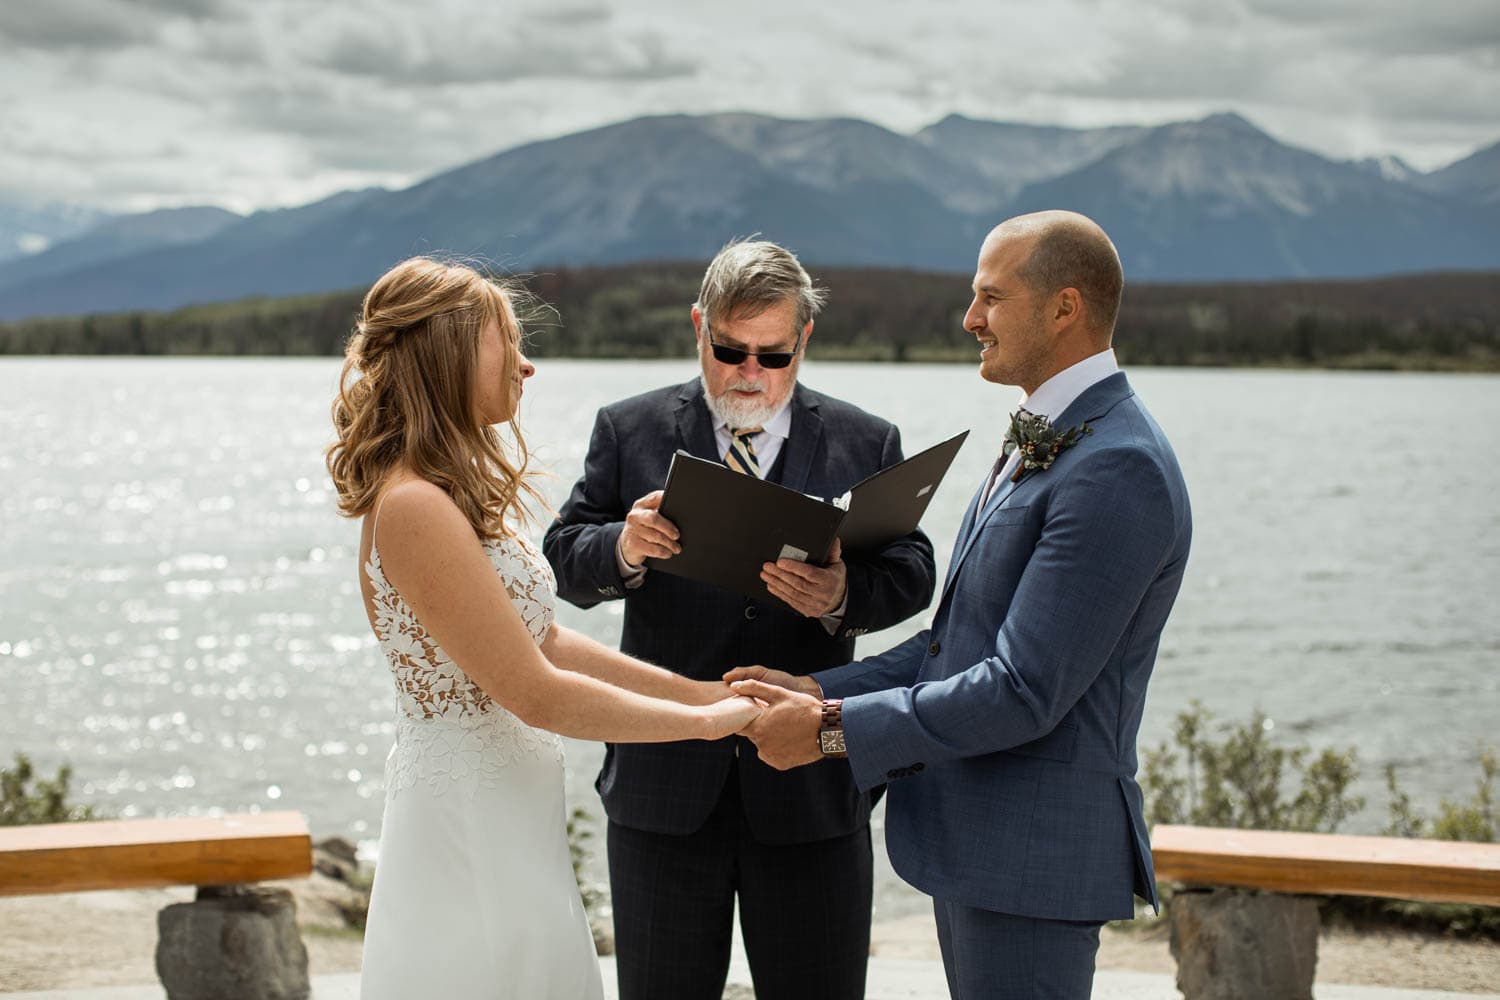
point(1038, 441)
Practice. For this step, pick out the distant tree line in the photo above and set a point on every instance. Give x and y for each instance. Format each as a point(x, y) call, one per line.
point(1428, 321)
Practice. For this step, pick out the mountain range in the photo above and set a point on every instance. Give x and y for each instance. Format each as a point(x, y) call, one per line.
point(1206, 200)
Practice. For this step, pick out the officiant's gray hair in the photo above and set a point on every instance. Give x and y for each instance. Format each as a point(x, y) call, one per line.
point(749, 276)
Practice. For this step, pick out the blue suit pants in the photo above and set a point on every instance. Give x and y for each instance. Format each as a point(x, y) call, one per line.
point(997, 956)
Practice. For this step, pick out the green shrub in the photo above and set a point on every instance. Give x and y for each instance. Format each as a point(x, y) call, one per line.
point(1241, 781)
point(46, 802)
point(1245, 781)
point(1471, 821)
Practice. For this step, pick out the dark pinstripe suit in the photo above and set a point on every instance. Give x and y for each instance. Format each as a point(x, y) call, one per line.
point(675, 805)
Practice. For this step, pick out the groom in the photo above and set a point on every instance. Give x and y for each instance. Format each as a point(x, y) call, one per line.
point(1007, 730)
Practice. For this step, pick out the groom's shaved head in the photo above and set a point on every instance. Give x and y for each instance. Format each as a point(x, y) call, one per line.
point(1069, 250)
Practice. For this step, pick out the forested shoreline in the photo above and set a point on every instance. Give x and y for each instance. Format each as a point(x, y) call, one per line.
point(1437, 322)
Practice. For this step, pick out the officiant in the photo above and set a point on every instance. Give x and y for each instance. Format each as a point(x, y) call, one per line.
point(695, 825)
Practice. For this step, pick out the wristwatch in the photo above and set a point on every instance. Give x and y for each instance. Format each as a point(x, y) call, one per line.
point(831, 734)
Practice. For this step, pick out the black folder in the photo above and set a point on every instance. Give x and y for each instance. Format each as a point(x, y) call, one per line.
point(731, 523)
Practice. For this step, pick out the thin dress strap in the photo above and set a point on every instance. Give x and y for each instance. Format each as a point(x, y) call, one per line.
point(374, 527)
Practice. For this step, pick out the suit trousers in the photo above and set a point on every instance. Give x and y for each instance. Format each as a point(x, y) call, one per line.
point(804, 910)
point(997, 956)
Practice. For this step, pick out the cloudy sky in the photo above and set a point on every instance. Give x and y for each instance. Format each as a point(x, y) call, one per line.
point(133, 104)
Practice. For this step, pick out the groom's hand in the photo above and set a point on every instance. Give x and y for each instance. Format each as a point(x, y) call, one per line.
point(803, 685)
point(647, 533)
point(813, 591)
point(786, 733)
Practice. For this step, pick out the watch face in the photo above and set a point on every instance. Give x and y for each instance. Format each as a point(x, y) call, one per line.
point(832, 741)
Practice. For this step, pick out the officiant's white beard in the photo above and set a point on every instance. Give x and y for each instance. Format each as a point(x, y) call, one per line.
point(736, 412)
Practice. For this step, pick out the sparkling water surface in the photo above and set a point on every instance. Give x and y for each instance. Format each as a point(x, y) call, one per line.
point(180, 616)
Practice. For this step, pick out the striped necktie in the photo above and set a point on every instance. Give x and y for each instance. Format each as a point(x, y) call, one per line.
point(741, 454)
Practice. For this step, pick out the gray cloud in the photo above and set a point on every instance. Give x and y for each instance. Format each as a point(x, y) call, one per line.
point(1390, 26)
point(575, 14)
point(481, 57)
point(281, 101)
point(98, 24)
point(72, 24)
point(186, 8)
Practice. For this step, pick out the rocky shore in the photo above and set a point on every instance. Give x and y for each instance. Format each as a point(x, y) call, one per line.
point(109, 938)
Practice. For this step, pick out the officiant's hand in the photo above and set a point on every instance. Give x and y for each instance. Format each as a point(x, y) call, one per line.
point(786, 734)
point(647, 533)
point(812, 590)
point(805, 685)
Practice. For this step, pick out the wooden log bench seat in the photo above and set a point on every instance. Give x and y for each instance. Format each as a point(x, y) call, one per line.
point(235, 939)
point(1246, 926)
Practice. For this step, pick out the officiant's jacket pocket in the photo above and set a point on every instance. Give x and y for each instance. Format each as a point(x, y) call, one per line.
point(1059, 745)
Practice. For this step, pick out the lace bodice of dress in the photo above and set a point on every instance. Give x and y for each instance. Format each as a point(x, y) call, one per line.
point(447, 728)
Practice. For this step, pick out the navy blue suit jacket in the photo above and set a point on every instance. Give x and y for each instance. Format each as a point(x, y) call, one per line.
point(1011, 723)
point(701, 631)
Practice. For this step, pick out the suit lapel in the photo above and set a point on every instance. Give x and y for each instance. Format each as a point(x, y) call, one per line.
point(802, 443)
point(964, 530)
point(1097, 400)
point(695, 432)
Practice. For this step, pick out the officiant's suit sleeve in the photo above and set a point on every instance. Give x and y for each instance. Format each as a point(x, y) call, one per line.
point(892, 583)
point(1109, 528)
point(580, 544)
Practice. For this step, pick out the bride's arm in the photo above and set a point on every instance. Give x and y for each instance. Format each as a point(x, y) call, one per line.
point(432, 557)
point(575, 651)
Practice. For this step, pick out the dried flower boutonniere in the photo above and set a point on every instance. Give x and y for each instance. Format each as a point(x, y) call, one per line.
point(1038, 441)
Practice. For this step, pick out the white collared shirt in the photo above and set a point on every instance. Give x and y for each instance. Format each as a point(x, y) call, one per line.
point(767, 444)
point(1058, 393)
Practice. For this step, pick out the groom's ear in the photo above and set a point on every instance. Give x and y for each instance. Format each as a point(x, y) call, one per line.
point(1066, 310)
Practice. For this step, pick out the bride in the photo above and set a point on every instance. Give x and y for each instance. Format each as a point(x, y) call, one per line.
point(474, 893)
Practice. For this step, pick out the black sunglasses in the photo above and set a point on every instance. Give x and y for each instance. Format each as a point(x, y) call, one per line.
point(735, 356)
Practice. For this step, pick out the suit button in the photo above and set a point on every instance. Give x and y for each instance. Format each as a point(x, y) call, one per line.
point(917, 767)
point(751, 612)
point(893, 773)
point(935, 648)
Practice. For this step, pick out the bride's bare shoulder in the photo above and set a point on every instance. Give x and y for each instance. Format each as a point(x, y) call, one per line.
point(412, 506)
point(407, 490)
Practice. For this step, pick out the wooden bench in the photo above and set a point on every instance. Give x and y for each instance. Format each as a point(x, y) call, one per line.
point(235, 939)
point(1234, 943)
point(150, 853)
point(1327, 864)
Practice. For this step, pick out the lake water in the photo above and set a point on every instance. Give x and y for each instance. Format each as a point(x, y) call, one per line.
point(180, 620)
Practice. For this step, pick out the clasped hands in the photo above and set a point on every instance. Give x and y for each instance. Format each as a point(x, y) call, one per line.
point(785, 729)
point(813, 591)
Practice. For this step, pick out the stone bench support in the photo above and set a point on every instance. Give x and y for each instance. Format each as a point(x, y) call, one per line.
point(236, 941)
point(1237, 944)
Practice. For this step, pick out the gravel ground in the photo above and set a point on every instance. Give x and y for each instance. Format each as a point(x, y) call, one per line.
point(109, 939)
point(1397, 958)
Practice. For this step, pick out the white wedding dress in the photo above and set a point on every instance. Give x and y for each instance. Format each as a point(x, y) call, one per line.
point(474, 894)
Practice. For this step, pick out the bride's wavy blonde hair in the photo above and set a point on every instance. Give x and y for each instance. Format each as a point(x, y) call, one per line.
point(407, 396)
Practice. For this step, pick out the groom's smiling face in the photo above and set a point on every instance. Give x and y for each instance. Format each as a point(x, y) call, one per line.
point(1006, 316)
